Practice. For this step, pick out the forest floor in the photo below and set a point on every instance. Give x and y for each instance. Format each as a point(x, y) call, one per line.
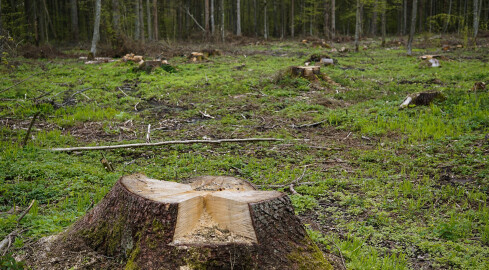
point(380, 187)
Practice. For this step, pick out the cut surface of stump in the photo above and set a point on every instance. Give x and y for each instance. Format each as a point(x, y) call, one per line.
point(196, 57)
point(209, 223)
point(308, 72)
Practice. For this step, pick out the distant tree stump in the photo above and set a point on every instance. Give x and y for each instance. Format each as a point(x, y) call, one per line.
point(196, 57)
point(422, 99)
point(308, 72)
point(210, 223)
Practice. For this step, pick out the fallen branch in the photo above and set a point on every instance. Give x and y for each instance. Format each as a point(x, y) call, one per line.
point(310, 125)
point(24, 142)
point(193, 18)
point(6, 243)
point(135, 145)
point(23, 81)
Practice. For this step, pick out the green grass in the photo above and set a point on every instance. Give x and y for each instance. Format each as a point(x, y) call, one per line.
point(387, 188)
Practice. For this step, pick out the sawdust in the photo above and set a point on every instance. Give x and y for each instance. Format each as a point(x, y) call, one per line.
point(207, 231)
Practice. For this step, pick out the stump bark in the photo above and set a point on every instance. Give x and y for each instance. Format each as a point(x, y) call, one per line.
point(209, 223)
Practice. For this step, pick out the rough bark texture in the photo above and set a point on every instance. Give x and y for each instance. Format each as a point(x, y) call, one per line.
point(128, 231)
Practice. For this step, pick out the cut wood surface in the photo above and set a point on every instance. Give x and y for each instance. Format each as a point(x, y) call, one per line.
point(216, 222)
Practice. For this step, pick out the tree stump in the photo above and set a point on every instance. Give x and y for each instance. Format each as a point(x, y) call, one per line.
point(209, 223)
point(196, 57)
point(422, 99)
point(308, 72)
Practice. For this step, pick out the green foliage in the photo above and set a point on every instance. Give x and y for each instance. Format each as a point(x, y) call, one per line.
point(7, 262)
point(392, 184)
point(303, 203)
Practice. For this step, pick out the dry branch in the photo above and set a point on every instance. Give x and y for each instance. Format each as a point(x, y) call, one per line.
point(24, 142)
point(135, 145)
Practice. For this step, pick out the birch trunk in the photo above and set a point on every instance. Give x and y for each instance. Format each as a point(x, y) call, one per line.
point(96, 27)
point(413, 28)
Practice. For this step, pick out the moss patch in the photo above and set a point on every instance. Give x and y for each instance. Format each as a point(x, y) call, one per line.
point(310, 257)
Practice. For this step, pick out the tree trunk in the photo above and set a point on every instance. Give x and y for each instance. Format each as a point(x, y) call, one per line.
point(265, 26)
point(238, 18)
point(373, 30)
point(74, 19)
point(413, 28)
point(333, 19)
point(116, 17)
point(448, 16)
point(326, 19)
point(384, 10)
point(141, 20)
point(206, 17)
point(210, 223)
point(223, 34)
point(148, 14)
point(155, 19)
point(476, 19)
point(96, 27)
point(137, 21)
point(357, 26)
point(255, 18)
point(404, 17)
point(213, 25)
point(292, 18)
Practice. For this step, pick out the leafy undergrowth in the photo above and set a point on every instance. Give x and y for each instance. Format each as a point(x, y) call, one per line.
point(381, 187)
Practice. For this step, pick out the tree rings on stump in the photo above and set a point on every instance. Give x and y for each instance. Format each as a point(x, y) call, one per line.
point(208, 223)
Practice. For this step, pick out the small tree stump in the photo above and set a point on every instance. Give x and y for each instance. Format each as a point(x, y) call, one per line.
point(196, 57)
point(422, 99)
point(308, 72)
point(150, 65)
point(210, 223)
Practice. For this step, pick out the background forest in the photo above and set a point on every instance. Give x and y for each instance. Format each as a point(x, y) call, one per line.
point(68, 22)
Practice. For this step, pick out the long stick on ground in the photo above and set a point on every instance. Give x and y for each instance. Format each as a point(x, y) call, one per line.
point(24, 142)
point(134, 145)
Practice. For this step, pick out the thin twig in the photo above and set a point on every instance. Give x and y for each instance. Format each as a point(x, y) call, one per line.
point(26, 211)
point(23, 81)
point(309, 125)
point(341, 254)
point(134, 145)
point(24, 142)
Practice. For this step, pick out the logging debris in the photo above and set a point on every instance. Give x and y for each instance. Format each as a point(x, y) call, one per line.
point(422, 99)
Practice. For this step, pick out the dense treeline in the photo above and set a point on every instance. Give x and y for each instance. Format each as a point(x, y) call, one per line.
point(70, 21)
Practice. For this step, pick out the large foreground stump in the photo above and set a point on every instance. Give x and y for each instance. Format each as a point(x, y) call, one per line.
point(210, 223)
